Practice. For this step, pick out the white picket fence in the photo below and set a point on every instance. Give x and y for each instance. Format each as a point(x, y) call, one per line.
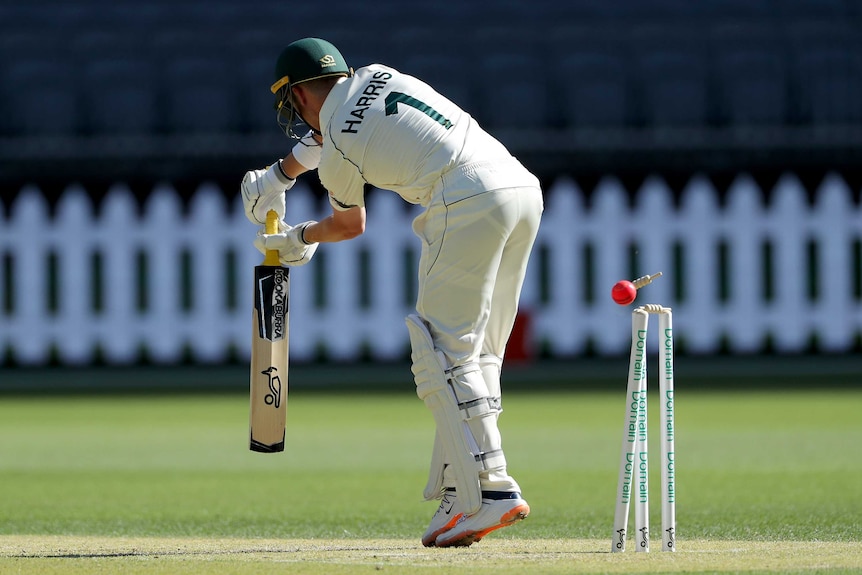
point(75, 286)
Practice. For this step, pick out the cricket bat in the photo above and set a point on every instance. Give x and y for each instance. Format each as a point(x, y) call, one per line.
point(269, 351)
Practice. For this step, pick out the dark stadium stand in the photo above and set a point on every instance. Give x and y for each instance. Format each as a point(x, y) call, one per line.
point(164, 70)
point(670, 69)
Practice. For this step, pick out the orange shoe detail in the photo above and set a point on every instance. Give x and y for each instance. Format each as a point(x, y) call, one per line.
point(470, 536)
point(430, 539)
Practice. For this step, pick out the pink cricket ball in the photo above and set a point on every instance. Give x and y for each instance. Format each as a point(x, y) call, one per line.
point(624, 292)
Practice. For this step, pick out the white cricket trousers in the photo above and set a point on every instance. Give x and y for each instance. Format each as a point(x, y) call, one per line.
point(475, 248)
point(474, 257)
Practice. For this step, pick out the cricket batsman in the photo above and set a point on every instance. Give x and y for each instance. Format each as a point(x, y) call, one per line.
point(381, 127)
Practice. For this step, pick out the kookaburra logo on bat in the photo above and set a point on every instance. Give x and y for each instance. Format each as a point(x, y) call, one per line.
point(271, 303)
point(273, 398)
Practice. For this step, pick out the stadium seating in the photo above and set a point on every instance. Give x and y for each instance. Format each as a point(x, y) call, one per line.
point(511, 80)
point(37, 98)
point(163, 67)
point(671, 75)
point(826, 59)
point(750, 74)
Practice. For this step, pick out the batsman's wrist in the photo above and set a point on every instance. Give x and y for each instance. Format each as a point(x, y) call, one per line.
point(302, 234)
point(281, 176)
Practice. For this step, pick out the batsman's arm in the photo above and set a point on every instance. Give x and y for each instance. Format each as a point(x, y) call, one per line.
point(341, 225)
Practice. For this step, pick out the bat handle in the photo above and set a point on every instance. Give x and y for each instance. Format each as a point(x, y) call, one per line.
point(271, 257)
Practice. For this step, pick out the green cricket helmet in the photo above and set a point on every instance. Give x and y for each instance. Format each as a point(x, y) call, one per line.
point(302, 61)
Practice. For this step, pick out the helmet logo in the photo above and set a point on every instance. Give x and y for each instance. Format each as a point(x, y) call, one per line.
point(327, 61)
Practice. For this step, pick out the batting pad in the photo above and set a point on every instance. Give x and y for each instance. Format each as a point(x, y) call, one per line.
point(434, 487)
point(479, 410)
point(432, 387)
point(490, 366)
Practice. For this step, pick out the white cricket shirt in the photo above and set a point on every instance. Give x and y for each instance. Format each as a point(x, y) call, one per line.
point(395, 132)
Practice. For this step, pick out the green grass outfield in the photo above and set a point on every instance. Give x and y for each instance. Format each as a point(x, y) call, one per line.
point(766, 482)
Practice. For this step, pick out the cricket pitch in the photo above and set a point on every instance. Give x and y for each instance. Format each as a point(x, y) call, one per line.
point(96, 555)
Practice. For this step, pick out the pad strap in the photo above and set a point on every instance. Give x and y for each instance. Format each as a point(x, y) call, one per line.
point(479, 411)
point(474, 407)
point(491, 366)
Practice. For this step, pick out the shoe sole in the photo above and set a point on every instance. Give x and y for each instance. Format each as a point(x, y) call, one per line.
point(467, 538)
point(430, 540)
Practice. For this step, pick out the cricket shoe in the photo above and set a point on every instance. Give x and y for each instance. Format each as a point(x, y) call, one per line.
point(444, 519)
point(499, 509)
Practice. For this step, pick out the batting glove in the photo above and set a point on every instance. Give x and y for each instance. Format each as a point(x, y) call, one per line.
point(307, 152)
point(289, 242)
point(263, 190)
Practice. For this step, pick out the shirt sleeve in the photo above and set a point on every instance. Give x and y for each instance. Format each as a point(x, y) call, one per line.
point(343, 181)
